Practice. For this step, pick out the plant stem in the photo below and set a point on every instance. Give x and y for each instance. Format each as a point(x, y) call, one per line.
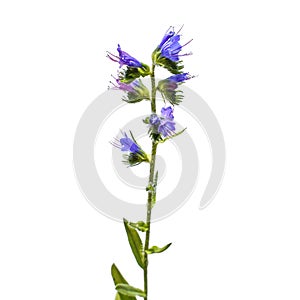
point(151, 192)
point(153, 91)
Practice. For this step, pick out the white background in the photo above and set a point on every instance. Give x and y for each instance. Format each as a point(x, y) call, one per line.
point(245, 245)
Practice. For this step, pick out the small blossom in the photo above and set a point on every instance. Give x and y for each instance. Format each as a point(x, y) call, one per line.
point(135, 155)
point(180, 77)
point(166, 128)
point(119, 85)
point(168, 87)
point(133, 68)
point(126, 144)
point(136, 90)
point(167, 113)
point(154, 119)
point(124, 59)
point(170, 46)
point(163, 124)
point(167, 54)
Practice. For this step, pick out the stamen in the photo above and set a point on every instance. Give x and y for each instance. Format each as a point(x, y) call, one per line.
point(109, 53)
point(180, 29)
point(186, 54)
point(187, 43)
point(113, 59)
point(113, 84)
point(169, 30)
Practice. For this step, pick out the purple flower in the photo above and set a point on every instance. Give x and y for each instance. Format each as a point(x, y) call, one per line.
point(170, 46)
point(154, 119)
point(180, 77)
point(167, 113)
point(124, 59)
point(163, 124)
point(136, 90)
point(119, 85)
point(166, 128)
point(126, 144)
point(135, 154)
point(168, 87)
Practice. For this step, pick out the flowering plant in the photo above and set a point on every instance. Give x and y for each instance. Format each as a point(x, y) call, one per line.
point(161, 127)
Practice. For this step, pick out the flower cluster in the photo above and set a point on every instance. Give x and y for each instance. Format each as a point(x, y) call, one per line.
point(161, 127)
point(163, 124)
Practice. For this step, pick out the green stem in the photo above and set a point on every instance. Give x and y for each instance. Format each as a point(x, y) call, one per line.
point(151, 192)
point(153, 92)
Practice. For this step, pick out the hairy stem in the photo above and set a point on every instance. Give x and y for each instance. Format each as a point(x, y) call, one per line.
point(151, 192)
point(153, 91)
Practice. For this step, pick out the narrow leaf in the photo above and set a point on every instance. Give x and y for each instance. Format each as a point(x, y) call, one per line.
point(129, 290)
point(135, 243)
point(118, 279)
point(172, 136)
point(116, 275)
point(156, 249)
point(140, 225)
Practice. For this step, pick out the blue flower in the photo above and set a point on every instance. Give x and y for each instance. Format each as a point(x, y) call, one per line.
point(154, 119)
point(133, 68)
point(127, 144)
point(124, 59)
point(167, 54)
point(167, 113)
point(163, 124)
point(168, 87)
point(166, 128)
point(170, 46)
point(180, 77)
point(135, 155)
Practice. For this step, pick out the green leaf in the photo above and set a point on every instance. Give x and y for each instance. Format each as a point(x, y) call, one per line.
point(129, 290)
point(140, 225)
point(131, 73)
point(135, 243)
point(119, 279)
point(172, 136)
point(172, 66)
point(173, 95)
point(156, 249)
point(116, 275)
point(118, 297)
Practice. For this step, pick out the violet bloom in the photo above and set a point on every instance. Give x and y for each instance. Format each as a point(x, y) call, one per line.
point(169, 87)
point(167, 113)
point(136, 90)
point(135, 154)
point(124, 59)
point(119, 85)
point(170, 46)
point(163, 124)
point(126, 144)
point(180, 77)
